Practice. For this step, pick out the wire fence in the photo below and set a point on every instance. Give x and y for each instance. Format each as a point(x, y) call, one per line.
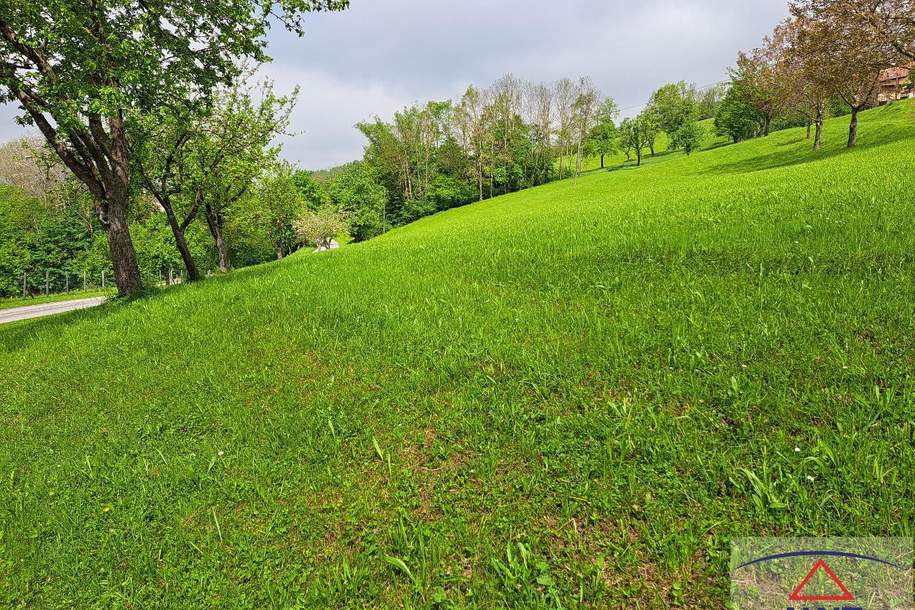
point(53, 282)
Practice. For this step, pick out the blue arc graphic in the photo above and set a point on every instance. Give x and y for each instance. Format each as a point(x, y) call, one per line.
point(821, 554)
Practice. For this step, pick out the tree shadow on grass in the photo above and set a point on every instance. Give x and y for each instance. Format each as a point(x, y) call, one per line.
point(717, 145)
point(803, 154)
point(620, 168)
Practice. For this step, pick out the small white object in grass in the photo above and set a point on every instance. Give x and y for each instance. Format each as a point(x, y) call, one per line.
point(221, 452)
point(797, 449)
point(810, 478)
point(331, 245)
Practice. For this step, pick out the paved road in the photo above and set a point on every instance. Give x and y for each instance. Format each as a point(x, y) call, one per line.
point(47, 309)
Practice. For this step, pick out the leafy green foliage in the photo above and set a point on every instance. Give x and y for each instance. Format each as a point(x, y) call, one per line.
point(688, 137)
point(148, 55)
point(671, 107)
point(358, 193)
point(312, 190)
point(604, 136)
point(280, 204)
point(737, 117)
point(56, 249)
point(321, 227)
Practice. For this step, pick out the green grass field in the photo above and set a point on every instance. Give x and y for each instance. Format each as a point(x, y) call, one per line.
point(573, 396)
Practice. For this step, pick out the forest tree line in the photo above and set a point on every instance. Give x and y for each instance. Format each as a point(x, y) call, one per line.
point(159, 152)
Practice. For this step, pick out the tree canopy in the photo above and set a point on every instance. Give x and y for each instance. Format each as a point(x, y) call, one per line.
point(81, 70)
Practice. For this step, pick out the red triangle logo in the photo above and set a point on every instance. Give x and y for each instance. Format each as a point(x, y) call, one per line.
point(796, 595)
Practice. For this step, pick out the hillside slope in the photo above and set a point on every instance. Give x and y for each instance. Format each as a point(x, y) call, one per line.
point(573, 395)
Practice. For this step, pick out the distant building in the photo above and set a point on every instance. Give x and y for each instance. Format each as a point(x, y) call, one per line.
point(325, 246)
point(895, 84)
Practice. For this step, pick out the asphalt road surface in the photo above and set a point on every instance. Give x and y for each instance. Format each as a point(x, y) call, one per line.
point(47, 309)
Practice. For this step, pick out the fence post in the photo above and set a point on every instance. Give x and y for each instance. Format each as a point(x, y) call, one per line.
point(47, 283)
point(103, 279)
point(171, 276)
point(84, 279)
point(24, 290)
point(66, 281)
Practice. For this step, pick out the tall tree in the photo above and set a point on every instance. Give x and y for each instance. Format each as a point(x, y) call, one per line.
point(807, 85)
point(671, 107)
point(852, 56)
point(357, 192)
point(471, 127)
point(584, 117)
point(232, 149)
point(540, 115)
point(603, 138)
point(632, 137)
point(164, 161)
point(650, 127)
point(710, 100)
point(738, 118)
point(80, 70)
point(279, 204)
point(757, 73)
point(564, 96)
point(203, 155)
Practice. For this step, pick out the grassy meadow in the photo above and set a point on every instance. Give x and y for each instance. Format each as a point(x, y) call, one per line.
point(568, 397)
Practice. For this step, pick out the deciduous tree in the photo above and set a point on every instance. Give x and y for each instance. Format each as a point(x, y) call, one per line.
point(738, 117)
point(604, 136)
point(279, 204)
point(80, 70)
point(671, 107)
point(321, 227)
point(850, 55)
point(892, 22)
point(584, 117)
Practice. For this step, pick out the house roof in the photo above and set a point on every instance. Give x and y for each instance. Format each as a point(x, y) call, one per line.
point(896, 73)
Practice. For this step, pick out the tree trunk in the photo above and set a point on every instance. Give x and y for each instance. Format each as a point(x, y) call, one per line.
point(651, 147)
point(492, 166)
point(215, 225)
point(192, 274)
point(120, 246)
point(578, 160)
point(818, 139)
point(808, 129)
point(638, 156)
point(767, 123)
point(115, 221)
point(602, 160)
point(279, 252)
point(853, 128)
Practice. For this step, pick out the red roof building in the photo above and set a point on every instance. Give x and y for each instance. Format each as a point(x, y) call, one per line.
point(895, 84)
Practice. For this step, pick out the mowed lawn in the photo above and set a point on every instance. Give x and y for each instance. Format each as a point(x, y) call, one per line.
point(573, 396)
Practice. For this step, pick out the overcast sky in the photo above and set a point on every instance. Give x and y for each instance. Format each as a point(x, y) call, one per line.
point(381, 55)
